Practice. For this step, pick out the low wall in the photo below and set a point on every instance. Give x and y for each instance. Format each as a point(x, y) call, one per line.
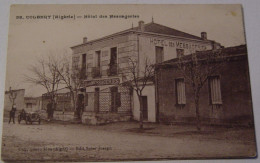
point(92, 118)
point(63, 116)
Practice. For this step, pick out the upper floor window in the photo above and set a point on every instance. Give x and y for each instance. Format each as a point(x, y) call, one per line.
point(98, 58)
point(159, 54)
point(180, 52)
point(113, 62)
point(84, 60)
point(96, 71)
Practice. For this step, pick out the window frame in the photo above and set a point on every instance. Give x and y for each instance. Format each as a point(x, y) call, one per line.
point(210, 90)
point(176, 91)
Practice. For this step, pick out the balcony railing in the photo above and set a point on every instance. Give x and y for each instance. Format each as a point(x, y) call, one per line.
point(96, 72)
point(112, 70)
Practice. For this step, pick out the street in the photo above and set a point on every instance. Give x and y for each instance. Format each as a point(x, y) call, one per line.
point(121, 141)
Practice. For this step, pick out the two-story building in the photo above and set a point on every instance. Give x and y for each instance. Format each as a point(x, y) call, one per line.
point(105, 63)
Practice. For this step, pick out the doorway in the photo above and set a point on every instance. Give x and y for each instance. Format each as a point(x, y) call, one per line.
point(96, 100)
point(145, 107)
point(114, 93)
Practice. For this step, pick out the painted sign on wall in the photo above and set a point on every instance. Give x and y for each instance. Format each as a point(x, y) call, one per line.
point(114, 81)
point(178, 44)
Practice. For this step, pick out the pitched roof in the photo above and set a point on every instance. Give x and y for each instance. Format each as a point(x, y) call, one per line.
point(152, 28)
point(227, 52)
point(161, 29)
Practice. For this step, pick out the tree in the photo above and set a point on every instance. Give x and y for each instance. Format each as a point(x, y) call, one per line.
point(196, 68)
point(138, 78)
point(73, 79)
point(12, 95)
point(45, 73)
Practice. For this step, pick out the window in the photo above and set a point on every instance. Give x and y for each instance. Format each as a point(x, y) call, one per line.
point(75, 62)
point(180, 91)
point(159, 54)
point(98, 59)
point(180, 52)
point(113, 62)
point(86, 99)
point(28, 105)
point(215, 91)
point(96, 71)
point(84, 60)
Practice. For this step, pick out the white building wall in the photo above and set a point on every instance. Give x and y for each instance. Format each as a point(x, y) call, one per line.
point(147, 44)
point(148, 91)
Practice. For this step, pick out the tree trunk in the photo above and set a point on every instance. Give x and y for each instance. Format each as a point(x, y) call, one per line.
point(74, 101)
point(197, 111)
point(141, 112)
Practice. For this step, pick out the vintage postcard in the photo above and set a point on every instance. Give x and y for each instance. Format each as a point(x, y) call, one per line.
point(127, 82)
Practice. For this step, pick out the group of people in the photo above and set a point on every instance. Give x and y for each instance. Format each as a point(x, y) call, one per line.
point(50, 110)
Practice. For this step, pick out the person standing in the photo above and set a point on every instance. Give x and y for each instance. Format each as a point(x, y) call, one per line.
point(12, 114)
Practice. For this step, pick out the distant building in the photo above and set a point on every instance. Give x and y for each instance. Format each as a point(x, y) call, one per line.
point(225, 97)
point(63, 104)
point(32, 104)
point(105, 63)
point(14, 97)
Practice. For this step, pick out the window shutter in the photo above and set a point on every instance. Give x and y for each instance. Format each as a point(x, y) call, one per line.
point(215, 90)
point(180, 91)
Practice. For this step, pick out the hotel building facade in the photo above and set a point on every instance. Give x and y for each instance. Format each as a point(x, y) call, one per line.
point(105, 65)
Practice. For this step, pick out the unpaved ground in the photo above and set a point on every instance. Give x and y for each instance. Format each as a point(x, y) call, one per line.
point(122, 141)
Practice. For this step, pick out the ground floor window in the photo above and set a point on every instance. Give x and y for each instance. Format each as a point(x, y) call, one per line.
point(214, 90)
point(180, 91)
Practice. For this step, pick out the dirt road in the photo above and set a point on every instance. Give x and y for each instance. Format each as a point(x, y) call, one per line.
point(77, 142)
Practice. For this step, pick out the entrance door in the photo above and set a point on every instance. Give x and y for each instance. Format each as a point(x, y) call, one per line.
point(96, 100)
point(114, 91)
point(145, 108)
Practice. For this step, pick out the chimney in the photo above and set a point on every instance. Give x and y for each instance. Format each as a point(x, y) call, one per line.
point(141, 26)
point(85, 40)
point(204, 35)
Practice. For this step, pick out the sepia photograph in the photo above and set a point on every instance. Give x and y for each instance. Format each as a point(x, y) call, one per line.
point(129, 82)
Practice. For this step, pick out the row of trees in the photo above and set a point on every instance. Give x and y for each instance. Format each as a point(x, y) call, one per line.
point(195, 68)
point(53, 72)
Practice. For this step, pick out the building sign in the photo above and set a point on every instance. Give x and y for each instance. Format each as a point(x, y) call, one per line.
point(114, 81)
point(177, 44)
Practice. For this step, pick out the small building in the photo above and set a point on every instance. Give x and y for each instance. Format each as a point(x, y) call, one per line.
point(13, 97)
point(105, 64)
point(224, 99)
point(32, 104)
point(63, 104)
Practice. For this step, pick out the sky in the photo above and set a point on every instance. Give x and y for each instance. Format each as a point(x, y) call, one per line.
point(31, 38)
